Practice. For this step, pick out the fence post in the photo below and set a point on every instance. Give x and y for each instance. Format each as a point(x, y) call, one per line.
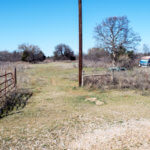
point(15, 76)
point(5, 82)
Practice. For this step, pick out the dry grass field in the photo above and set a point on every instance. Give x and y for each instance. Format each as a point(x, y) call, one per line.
point(59, 117)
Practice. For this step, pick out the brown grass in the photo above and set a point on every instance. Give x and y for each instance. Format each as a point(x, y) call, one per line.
point(58, 116)
point(21, 75)
point(96, 64)
point(18, 95)
point(139, 78)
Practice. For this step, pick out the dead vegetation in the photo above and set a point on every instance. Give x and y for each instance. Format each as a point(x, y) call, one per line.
point(132, 79)
point(16, 97)
point(21, 68)
point(96, 64)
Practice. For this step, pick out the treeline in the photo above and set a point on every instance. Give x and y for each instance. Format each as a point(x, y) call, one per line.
point(25, 52)
point(10, 56)
point(33, 54)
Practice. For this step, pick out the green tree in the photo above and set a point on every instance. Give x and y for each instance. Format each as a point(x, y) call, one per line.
point(63, 52)
point(31, 53)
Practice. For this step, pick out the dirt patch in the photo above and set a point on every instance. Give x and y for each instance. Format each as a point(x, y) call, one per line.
point(95, 100)
point(133, 135)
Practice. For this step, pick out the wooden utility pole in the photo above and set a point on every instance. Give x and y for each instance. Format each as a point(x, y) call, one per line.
point(15, 76)
point(80, 43)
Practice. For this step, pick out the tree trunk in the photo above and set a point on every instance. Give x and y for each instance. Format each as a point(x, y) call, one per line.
point(114, 62)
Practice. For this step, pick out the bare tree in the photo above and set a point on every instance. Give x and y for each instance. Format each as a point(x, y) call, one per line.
point(146, 49)
point(114, 34)
point(10, 56)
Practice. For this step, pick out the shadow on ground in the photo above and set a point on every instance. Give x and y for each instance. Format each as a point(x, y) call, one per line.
point(16, 100)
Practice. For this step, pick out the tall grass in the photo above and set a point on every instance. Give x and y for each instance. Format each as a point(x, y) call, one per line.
point(138, 78)
point(21, 68)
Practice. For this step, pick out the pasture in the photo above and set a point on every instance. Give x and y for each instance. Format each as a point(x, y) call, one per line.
point(59, 116)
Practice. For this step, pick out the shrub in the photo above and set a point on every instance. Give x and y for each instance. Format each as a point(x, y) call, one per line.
point(98, 54)
point(125, 61)
point(101, 81)
point(135, 79)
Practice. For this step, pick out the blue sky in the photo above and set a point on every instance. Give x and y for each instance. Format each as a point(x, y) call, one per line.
point(47, 23)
